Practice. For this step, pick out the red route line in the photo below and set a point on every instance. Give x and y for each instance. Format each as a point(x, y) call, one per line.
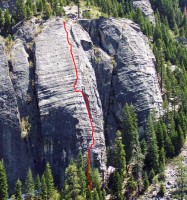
point(87, 107)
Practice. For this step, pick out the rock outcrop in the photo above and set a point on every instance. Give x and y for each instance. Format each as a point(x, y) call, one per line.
point(134, 78)
point(145, 7)
point(65, 125)
point(43, 119)
point(7, 4)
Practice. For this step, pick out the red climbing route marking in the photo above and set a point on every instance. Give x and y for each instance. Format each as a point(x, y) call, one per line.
point(87, 106)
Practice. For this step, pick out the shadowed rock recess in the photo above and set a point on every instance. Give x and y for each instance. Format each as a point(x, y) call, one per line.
point(43, 119)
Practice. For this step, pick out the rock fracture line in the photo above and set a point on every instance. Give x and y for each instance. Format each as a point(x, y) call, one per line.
point(87, 107)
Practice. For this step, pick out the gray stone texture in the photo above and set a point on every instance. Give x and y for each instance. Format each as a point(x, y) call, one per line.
point(65, 125)
point(134, 78)
point(145, 7)
point(13, 149)
point(115, 66)
point(7, 4)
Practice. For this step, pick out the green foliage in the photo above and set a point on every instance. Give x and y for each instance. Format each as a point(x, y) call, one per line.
point(87, 14)
point(2, 20)
point(72, 188)
point(131, 141)
point(162, 190)
point(152, 156)
point(7, 18)
point(145, 181)
point(151, 175)
point(181, 180)
point(119, 155)
point(131, 184)
point(37, 183)
point(47, 9)
point(18, 190)
point(130, 134)
point(49, 181)
point(21, 10)
point(95, 195)
point(3, 182)
point(96, 183)
point(43, 188)
point(117, 186)
point(29, 185)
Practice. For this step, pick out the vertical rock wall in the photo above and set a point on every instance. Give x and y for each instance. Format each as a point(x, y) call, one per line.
point(134, 79)
point(43, 119)
point(13, 149)
point(65, 125)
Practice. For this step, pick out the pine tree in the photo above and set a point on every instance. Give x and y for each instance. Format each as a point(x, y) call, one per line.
point(80, 160)
point(180, 140)
point(29, 184)
point(71, 188)
point(162, 190)
point(39, 5)
point(49, 181)
point(169, 148)
point(37, 183)
point(145, 181)
point(162, 159)
point(117, 186)
point(2, 20)
point(119, 155)
point(7, 18)
point(89, 195)
point(47, 9)
point(43, 188)
point(81, 174)
point(159, 135)
point(3, 182)
point(131, 185)
point(151, 175)
point(152, 157)
point(95, 195)
point(20, 9)
point(29, 12)
point(18, 190)
point(96, 182)
point(131, 135)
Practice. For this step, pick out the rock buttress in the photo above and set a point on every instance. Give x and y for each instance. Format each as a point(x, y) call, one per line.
point(13, 148)
point(134, 78)
point(65, 124)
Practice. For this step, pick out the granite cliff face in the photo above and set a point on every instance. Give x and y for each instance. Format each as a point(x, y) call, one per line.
point(134, 79)
point(43, 119)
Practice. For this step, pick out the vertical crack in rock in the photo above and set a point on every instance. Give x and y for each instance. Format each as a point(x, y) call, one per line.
point(88, 81)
